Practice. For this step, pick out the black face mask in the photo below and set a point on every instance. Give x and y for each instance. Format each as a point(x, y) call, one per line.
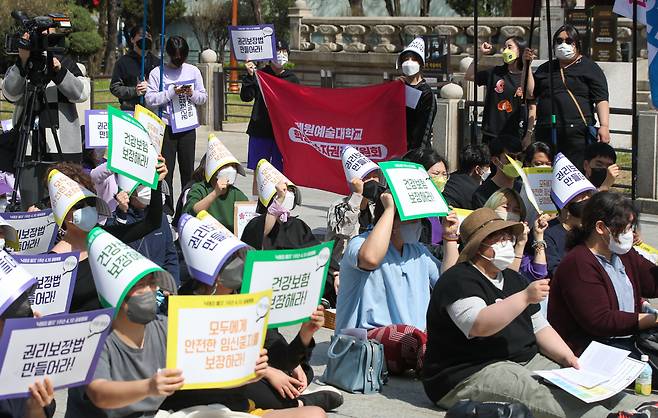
point(372, 189)
point(598, 176)
point(147, 46)
point(178, 61)
point(576, 208)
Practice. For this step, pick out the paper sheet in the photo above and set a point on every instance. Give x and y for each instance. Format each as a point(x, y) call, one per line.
point(412, 96)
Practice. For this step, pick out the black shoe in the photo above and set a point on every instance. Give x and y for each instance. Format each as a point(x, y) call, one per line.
point(325, 399)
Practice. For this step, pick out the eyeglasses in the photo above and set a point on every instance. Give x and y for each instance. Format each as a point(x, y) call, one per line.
point(568, 41)
point(503, 239)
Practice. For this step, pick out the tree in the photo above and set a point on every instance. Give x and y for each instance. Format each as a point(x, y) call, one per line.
point(256, 9)
point(425, 7)
point(485, 7)
point(356, 7)
point(133, 11)
point(85, 40)
point(393, 7)
point(109, 56)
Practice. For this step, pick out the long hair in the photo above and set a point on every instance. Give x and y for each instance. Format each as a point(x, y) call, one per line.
point(521, 44)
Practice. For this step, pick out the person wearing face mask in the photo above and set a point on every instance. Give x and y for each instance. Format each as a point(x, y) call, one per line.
point(179, 145)
point(603, 265)
point(600, 165)
point(486, 336)
point(382, 271)
point(125, 84)
point(506, 175)
point(474, 169)
point(420, 119)
point(261, 135)
point(504, 110)
point(580, 91)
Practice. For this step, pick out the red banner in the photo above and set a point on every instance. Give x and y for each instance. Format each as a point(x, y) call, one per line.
point(312, 124)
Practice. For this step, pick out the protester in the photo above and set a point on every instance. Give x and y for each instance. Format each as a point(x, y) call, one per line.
point(474, 161)
point(579, 88)
point(489, 315)
point(600, 165)
point(384, 269)
point(538, 154)
point(261, 136)
point(105, 184)
point(421, 118)
point(179, 79)
point(504, 110)
point(126, 84)
point(41, 402)
point(602, 264)
point(65, 86)
point(502, 147)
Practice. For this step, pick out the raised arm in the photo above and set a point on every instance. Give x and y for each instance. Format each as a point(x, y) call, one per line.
point(485, 48)
point(374, 248)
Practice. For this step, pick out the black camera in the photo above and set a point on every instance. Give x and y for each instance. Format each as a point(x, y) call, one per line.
point(41, 37)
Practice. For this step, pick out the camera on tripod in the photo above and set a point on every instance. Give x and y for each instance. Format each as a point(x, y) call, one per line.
point(41, 38)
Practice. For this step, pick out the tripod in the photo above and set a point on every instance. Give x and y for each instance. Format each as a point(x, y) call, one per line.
point(30, 128)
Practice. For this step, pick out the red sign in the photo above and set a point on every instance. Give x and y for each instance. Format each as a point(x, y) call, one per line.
point(312, 124)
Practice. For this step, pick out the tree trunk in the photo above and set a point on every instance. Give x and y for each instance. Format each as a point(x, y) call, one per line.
point(393, 7)
point(95, 60)
point(356, 7)
point(425, 7)
point(255, 5)
point(111, 45)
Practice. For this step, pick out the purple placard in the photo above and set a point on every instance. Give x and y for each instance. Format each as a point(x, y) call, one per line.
point(52, 272)
point(252, 41)
point(37, 231)
point(172, 118)
point(568, 181)
point(96, 128)
point(65, 348)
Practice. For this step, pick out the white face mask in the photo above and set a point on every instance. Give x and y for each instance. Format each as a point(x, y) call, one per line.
point(564, 52)
point(410, 67)
point(410, 233)
point(281, 58)
point(229, 173)
point(2, 243)
point(508, 216)
point(503, 254)
point(143, 195)
point(624, 245)
point(85, 218)
point(485, 174)
point(289, 200)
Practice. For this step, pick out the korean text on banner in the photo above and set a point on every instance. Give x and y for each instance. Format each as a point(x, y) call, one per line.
point(540, 181)
point(130, 151)
point(296, 277)
point(55, 275)
point(253, 43)
point(153, 125)
point(312, 125)
point(216, 340)
point(14, 281)
point(414, 193)
point(96, 130)
point(530, 197)
point(568, 181)
point(184, 115)
point(65, 348)
point(37, 231)
point(243, 212)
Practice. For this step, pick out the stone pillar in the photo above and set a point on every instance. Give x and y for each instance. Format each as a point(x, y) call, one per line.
point(208, 66)
point(296, 13)
point(446, 124)
point(557, 20)
point(647, 130)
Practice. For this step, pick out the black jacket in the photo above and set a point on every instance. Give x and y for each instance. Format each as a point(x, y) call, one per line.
point(259, 124)
point(420, 119)
point(126, 75)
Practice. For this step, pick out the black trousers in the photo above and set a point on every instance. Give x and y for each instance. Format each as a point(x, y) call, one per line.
point(571, 141)
point(266, 397)
point(180, 144)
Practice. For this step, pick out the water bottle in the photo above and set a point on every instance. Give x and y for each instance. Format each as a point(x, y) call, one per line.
point(643, 381)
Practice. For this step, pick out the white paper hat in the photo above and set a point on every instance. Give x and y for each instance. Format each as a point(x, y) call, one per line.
point(417, 46)
point(14, 281)
point(116, 267)
point(206, 245)
point(267, 177)
point(218, 156)
point(65, 193)
point(568, 181)
point(355, 164)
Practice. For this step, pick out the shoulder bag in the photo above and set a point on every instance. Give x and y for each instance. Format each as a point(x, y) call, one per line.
point(592, 131)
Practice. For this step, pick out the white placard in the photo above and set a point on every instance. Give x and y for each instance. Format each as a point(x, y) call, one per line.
point(243, 212)
point(253, 43)
point(153, 125)
point(55, 275)
point(355, 164)
point(184, 114)
point(96, 130)
point(36, 231)
point(568, 181)
point(411, 96)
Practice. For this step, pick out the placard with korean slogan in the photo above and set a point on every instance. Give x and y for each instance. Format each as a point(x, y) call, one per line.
point(462, 214)
point(36, 231)
point(267, 177)
point(130, 151)
point(529, 196)
point(414, 193)
point(540, 181)
point(96, 131)
point(153, 125)
point(253, 43)
point(243, 212)
point(65, 348)
point(183, 112)
point(55, 275)
point(216, 340)
point(14, 280)
point(296, 277)
point(568, 181)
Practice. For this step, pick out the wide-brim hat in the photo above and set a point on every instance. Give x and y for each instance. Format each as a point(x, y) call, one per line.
point(479, 225)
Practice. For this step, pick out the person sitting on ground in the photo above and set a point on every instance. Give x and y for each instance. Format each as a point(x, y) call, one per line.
point(474, 161)
point(486, 336)
point(538, 154)
point(602, 264)
point(382, 272)
point(501, 147)
point(600, 165)
point(529, 260)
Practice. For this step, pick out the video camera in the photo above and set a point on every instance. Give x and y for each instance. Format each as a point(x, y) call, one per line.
point(39, 42)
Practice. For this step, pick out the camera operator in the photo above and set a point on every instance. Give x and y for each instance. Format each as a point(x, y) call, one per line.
point(65, 86)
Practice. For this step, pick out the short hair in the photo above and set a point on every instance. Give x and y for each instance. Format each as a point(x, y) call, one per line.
point(534, 148)
point(137, 29)
point(573, 33)
point(177, 45)
point(496, 199)
point(426, 157)
point(600, 149)
point(505, 143)
point(472, 156)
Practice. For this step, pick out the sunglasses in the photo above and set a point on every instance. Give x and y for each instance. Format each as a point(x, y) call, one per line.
point(568, 41)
